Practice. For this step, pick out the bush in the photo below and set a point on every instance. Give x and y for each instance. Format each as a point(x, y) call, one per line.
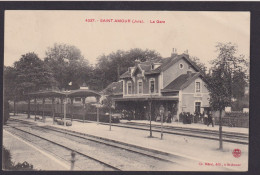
point(6, 156)
point(9, 165)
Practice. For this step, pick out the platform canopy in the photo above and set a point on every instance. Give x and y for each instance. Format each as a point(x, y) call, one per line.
point(69, 94)
point(46, 94)
point(82, 93)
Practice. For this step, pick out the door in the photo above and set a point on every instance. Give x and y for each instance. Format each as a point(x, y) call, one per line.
point(197, 107)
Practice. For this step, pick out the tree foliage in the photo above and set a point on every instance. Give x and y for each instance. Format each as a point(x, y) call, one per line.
point(9, 83)
point(110, 67)
point(228, 78)
point(68, 65)
point(201, 65)
point(31, 74)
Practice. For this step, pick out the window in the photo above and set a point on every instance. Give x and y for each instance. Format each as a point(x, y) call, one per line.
point(129, 88)
point(197, 107)
point(152, 67)
point(152, 86)
point(197, 87)
point(140, 87)
point(181, 66)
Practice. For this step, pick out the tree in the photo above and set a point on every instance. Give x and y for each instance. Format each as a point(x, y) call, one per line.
point(68, 65)
point(32, 74)
point(9, 83)
point(201, 65)
point(111, 66)
point(220, 81)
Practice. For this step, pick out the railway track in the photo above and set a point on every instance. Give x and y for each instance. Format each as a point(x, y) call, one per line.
point(231, 137)
point(93, 151)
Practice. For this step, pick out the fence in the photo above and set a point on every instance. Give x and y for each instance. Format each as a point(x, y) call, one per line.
point(234, 119)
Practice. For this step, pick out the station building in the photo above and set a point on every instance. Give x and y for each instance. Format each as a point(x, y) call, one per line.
point(176, 82)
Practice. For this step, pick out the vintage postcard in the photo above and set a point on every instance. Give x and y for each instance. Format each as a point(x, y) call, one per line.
point(101, 90)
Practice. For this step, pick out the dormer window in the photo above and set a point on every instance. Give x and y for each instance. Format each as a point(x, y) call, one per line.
point(152, 67)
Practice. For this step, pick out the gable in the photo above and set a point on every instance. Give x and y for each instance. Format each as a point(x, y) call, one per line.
point(190, 88)
point(137, 70)
point(174, 71)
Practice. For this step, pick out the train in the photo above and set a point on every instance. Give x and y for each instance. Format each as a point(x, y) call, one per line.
point(73, 111)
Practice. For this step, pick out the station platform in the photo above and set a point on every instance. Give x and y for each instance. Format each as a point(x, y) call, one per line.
point(203, 152)
point(23, 151)
point(192, 126)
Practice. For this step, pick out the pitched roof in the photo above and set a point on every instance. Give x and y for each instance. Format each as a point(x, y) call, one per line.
point(115, 88)
point(145, 67)
point(125, 75)
point(165, 64)
point(181, 82)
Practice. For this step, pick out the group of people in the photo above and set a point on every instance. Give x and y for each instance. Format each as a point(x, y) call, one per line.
point(206, 118)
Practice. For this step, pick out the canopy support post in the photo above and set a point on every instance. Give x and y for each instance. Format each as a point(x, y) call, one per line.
point(43, 106)
point(65, 102)
point(53, 109)
point(35, 109)
point(84, 106)
point(29, 106)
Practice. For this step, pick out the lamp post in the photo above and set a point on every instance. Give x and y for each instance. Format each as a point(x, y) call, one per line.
point(150, 111)
point(161, 112)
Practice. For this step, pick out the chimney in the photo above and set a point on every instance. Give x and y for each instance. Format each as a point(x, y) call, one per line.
point(174, 52)
point(137, 62)
point(186, 52)
point(189, 73)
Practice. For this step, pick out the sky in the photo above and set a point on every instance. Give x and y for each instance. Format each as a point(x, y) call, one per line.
point(91, 32)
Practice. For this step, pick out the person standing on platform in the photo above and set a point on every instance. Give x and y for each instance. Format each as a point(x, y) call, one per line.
point(210, 119)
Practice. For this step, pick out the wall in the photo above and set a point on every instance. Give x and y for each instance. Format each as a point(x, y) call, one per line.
point(191, 87)
point(174, 71)
point(145, 84)
point(189, 98)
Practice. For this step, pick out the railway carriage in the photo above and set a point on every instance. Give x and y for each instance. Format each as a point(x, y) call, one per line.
point(52, 105)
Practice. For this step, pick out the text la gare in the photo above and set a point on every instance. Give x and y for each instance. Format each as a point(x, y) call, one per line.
point(157, 21)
